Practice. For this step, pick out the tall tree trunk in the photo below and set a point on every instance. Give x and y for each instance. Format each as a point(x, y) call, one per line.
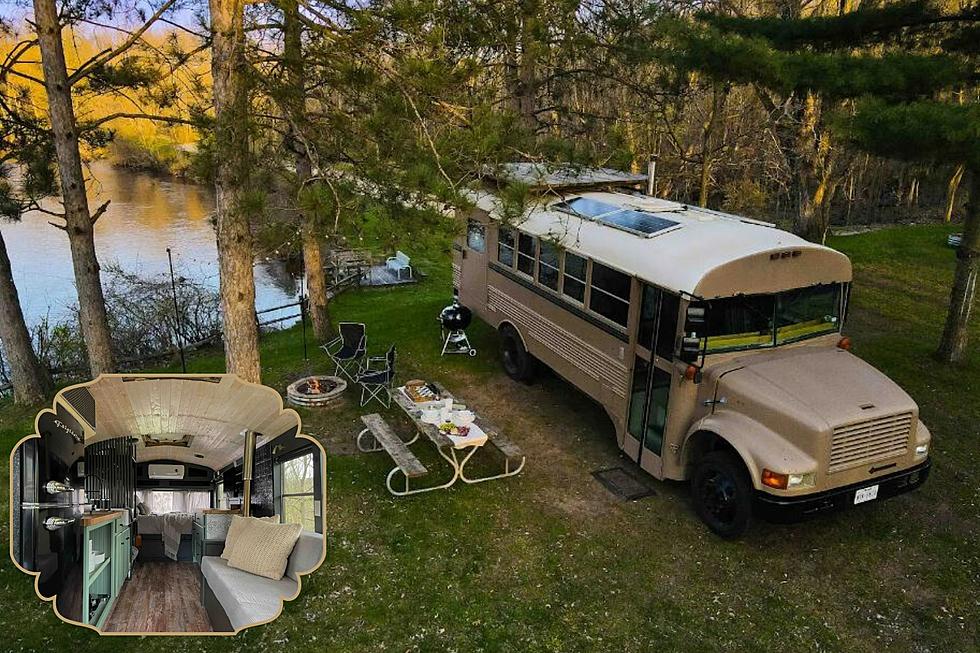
point(316, 278)
point(235, 257)
point(953, 345)
point(79, 222)
point(951, 188)
point(523, 85)
point(719, 95)
point(30, 379)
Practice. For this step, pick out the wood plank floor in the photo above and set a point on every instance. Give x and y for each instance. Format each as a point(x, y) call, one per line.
point(160, 597)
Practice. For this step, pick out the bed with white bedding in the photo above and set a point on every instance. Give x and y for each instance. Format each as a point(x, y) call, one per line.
point(165, 536)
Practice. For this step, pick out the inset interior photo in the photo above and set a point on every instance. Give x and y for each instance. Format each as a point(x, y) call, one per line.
point(167, 504)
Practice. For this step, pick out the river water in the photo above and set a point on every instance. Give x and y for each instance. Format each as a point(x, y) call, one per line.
point(147, 215)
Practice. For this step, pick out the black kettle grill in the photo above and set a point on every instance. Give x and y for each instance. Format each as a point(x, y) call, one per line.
point(454, 320)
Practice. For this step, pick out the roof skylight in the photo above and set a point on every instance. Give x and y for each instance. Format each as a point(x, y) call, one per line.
point(641, 223)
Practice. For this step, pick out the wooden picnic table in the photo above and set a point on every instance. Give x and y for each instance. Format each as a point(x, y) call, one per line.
point(457, 454)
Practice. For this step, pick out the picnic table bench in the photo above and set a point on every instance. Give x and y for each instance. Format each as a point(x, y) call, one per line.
point(410, 467)
point(385, 438)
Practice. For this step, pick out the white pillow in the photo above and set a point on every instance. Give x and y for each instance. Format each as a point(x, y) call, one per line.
point(263, 548)
point(237, 523)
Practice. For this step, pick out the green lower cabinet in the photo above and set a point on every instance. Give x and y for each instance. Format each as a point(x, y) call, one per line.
point(106, 559)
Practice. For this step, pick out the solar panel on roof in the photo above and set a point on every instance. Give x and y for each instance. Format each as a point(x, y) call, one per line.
point(638, 222)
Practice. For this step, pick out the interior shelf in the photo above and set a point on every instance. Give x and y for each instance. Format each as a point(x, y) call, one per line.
point(94, 574)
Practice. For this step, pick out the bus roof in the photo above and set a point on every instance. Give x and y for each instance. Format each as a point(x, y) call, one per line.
point(685, 249)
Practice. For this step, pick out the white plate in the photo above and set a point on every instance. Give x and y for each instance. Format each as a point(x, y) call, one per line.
point(866, 494)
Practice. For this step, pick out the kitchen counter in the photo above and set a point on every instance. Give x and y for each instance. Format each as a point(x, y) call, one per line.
point(93, 519)
point(217, 511)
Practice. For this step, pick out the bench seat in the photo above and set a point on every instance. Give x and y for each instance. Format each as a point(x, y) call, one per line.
point(248, 599)
point(382, 433)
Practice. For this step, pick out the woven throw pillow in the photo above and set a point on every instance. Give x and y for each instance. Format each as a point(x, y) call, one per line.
point(237, 523)
point(263, 549)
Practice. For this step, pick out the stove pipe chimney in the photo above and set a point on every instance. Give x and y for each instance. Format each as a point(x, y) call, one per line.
point(651, 174)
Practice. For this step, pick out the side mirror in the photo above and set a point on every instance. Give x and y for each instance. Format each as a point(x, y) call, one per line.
point(691, 344)
point(690, 348)
point(695, 317)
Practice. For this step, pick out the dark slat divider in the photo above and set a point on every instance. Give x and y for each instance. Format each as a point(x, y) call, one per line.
point(112, 461)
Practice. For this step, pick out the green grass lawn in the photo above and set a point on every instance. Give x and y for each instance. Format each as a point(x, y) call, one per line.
point(549, 561)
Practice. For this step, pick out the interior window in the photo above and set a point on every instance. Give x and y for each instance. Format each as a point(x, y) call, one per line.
point(548, 265)
point(476, 236)
point(162, 502)
point(525, 254)
point(219, 496)
point(505, 247)
point(610, 296)
point(573, 282)
point(298, 498)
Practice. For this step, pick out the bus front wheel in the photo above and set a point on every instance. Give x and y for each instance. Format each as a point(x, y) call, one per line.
point(722, 494)
point(518, 363)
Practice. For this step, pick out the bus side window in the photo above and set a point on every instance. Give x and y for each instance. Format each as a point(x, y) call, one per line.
point(505, 247)
point(610, 294)
point(573, 284)
point(548, 265)
point(526, 253)
point(476, 236)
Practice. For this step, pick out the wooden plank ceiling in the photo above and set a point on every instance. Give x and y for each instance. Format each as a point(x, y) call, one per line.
point(212, 410)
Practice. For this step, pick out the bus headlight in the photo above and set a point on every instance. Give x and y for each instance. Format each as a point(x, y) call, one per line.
point(802, 480)
point(921, 450)
point(787, 481)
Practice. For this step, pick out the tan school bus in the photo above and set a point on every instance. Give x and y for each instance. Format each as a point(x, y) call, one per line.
point(712, 341)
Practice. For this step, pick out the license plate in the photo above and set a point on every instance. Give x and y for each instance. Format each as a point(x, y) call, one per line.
point(866, 494)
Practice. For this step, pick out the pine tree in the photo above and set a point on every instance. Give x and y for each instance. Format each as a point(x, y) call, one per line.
point(896, 76)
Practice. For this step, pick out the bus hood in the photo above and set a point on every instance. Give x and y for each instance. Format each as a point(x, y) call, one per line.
point(819, 387)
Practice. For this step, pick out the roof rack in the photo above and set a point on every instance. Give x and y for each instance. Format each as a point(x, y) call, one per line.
point(559, 177)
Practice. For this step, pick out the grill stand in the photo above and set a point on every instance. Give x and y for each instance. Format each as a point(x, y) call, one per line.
point(455, 341)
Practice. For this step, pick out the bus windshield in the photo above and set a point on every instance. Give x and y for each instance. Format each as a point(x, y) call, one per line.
point(750, 322)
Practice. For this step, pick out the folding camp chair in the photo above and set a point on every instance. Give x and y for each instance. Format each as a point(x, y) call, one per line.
point(376, 382)
point(348, 349)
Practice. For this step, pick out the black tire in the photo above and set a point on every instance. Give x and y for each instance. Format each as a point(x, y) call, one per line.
point(518, 363)
point(722, 494)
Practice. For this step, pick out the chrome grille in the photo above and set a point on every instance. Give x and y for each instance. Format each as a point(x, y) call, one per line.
point(869, 441)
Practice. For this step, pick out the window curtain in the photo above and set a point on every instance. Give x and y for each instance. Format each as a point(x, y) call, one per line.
point(161, 502)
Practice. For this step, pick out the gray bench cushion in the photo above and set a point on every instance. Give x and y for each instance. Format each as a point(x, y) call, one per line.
point(246, 598)
point(306, 554)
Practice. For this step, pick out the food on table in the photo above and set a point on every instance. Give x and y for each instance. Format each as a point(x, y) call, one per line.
point(421, 392)
point(449, 428)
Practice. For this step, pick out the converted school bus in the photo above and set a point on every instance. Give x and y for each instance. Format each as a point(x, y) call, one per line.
point(712, 341)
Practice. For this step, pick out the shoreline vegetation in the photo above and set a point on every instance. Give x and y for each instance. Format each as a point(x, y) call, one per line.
point(156, 155)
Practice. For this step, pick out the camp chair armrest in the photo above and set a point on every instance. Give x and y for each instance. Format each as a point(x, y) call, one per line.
point(333, 343)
